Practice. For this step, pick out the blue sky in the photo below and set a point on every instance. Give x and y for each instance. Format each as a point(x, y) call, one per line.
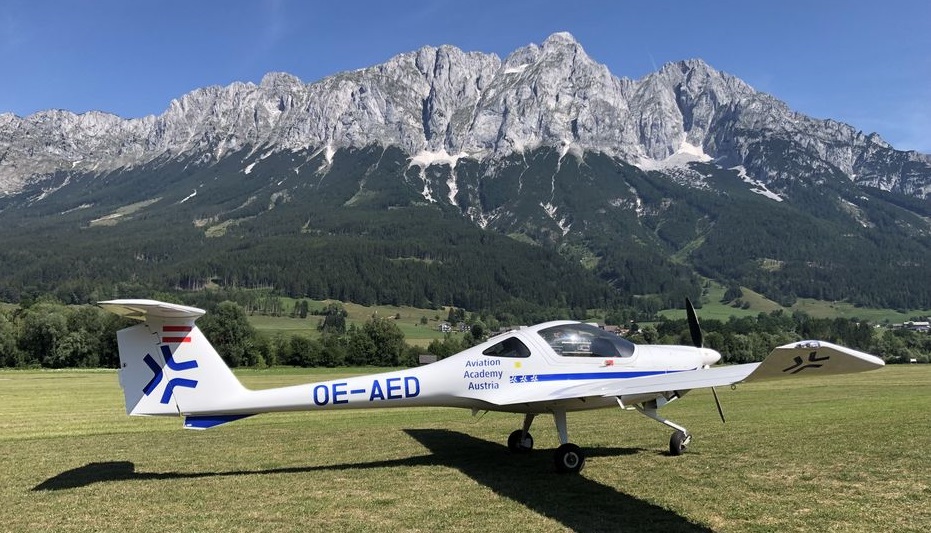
point(864, 63)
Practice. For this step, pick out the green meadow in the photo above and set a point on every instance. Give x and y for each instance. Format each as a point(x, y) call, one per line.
point(842, 454)
point(713, 308)
point(407, 318)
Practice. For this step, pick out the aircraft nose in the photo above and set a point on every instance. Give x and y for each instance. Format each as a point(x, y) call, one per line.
point(709, 356)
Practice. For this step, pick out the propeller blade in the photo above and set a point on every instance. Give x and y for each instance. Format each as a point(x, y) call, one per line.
point(698, 340)
point(718, 403)
point(694, 327)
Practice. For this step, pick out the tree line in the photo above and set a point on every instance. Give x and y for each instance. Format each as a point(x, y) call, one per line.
point(49, 334)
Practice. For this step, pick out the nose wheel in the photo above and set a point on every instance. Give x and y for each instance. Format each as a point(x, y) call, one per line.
point(680, 438)
point(678, 442)
point(520, 441)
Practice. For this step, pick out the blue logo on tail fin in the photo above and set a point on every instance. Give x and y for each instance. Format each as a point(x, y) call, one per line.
point(177, 366)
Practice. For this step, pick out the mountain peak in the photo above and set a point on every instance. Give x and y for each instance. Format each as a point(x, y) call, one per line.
point(560, 38)
point(280, 79)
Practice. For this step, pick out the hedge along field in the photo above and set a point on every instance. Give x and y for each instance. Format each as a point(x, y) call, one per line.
point(841, 454)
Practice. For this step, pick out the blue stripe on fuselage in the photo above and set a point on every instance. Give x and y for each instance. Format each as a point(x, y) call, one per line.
point(579, 376)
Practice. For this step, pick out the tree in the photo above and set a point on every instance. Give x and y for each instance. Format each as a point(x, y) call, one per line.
point(388, 340)
point(76, 350)
point(455, 316)
point(228, 329)
point(378, 342)
point(305, 352)
point(334, 319)
point(301, 308)
point(733, 292)
point(445, 348)
point(44, 326)
point(360, 349)
point(9, 354)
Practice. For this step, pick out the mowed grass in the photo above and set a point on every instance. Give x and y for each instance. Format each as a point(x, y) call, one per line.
point(842, 454)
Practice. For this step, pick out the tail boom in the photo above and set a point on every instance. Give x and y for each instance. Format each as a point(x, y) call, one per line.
point(169, 368)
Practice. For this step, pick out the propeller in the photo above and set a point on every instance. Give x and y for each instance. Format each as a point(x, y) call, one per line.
point(698, 339)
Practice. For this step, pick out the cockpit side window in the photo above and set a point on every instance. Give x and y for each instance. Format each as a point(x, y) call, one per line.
point(509, 347)
point(584, 340)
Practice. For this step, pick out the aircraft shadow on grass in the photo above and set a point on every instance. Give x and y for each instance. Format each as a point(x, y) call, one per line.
point(578, 503)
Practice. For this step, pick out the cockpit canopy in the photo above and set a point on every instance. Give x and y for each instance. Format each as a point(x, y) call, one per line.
point(585, 340)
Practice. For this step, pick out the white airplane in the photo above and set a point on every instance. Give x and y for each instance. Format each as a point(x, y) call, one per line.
point(169, 368)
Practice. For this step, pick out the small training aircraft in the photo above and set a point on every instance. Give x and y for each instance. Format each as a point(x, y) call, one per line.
point(169, 368)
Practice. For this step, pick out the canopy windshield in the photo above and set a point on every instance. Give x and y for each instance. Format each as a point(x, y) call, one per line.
point(585, 340)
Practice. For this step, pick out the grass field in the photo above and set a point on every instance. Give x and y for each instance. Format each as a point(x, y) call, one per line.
point(408, 318)
point(408, 321)
point(842, 454)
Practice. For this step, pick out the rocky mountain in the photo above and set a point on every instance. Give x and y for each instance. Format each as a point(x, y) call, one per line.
point(546, 146)
point(441, 104)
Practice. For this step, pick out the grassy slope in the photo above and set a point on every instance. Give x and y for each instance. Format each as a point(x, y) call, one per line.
point(421, 335)
point(713, 308)
point(812, 454)
point(409, 321)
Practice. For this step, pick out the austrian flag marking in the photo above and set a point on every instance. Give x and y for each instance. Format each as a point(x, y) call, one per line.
point(175, 330)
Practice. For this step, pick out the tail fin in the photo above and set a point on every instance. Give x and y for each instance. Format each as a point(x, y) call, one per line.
point(168, 367)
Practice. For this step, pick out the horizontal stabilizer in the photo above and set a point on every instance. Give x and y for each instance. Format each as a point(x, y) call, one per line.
point(141, 309)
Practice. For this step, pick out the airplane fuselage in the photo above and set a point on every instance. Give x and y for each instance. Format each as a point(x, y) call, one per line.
point(479, 378)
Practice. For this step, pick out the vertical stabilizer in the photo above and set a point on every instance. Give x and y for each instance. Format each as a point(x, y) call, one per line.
point(167, 366)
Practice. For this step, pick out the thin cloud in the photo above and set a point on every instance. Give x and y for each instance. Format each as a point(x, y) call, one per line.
point(271, 30)
point(12, 33)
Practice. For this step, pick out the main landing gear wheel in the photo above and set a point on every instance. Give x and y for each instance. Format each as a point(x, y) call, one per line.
point(678, 442)
point(518, 443)
point(569, 459)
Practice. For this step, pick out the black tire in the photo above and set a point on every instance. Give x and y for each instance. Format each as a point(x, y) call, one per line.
point(677, 443)
point(569, 459)
point(515, 444)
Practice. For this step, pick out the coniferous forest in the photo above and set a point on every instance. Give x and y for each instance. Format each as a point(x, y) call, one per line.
point(537, 237)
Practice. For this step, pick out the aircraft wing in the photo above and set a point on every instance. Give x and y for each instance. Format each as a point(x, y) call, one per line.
point(807, 358)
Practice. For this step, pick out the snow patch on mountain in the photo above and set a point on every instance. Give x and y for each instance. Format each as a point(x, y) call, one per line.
point(756, 186)
point(685, 153)
point(188, 197)
point(425, 158)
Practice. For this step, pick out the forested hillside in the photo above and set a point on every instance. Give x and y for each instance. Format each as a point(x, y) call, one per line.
point(597, 233)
